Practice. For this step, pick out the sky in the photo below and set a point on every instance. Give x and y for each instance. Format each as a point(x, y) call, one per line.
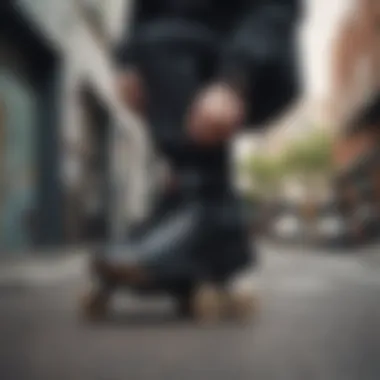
point(320, 26)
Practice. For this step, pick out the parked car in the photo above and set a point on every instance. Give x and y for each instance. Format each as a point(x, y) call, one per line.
point(332, 228)
point(288, 227)
point(325, 225)
point(287, 223)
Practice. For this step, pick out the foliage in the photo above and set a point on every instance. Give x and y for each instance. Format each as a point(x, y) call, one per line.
point(310, 157)
point(266, 174)
point(264, 169)
point(310, 160)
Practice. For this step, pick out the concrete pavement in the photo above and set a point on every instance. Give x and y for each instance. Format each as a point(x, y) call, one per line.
point(320, 320)
point(46, 269)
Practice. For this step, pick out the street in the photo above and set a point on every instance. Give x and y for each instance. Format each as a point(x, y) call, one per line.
point(319, 320)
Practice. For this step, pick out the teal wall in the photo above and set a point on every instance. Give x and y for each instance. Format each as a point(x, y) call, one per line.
point(30, 88)
point(18, 160)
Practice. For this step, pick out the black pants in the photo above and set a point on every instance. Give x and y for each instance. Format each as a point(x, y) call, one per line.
point(172, 77)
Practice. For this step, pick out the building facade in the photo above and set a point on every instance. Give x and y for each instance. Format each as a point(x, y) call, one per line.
point(61, 116)
point(356, 105)
point(30, 68)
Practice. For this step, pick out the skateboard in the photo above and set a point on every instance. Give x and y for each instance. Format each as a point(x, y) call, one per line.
point(201, 302)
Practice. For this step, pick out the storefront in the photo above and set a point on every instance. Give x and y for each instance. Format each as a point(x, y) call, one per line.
point(358, 180)
point(29, 199)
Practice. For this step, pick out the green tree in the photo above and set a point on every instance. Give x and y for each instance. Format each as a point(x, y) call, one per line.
point(311, 157)
point(266, 174)
point(310, 162)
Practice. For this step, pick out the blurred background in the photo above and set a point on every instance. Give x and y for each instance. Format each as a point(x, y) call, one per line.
point(60, 122)
point(315, 172)
point(75, 169)
point(311, 176)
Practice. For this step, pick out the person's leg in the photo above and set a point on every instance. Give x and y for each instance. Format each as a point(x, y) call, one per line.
point(203, 240)
point(203, 171)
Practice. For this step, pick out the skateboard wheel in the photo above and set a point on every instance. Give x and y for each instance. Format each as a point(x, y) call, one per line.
point(211, 304)
point(207, 304)
point(94, 305)
point(241, 306)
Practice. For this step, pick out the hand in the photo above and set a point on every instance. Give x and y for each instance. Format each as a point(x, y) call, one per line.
point(130, 89)
point(216, 114)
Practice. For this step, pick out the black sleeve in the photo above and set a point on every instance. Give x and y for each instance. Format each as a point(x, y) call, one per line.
point(261, 57)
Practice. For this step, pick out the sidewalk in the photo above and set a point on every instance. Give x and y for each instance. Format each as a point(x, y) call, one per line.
point(42, 269)
point(368, 255)
point(62, 266)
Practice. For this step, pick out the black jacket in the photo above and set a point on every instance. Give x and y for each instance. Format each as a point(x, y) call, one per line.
point(252, 43)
